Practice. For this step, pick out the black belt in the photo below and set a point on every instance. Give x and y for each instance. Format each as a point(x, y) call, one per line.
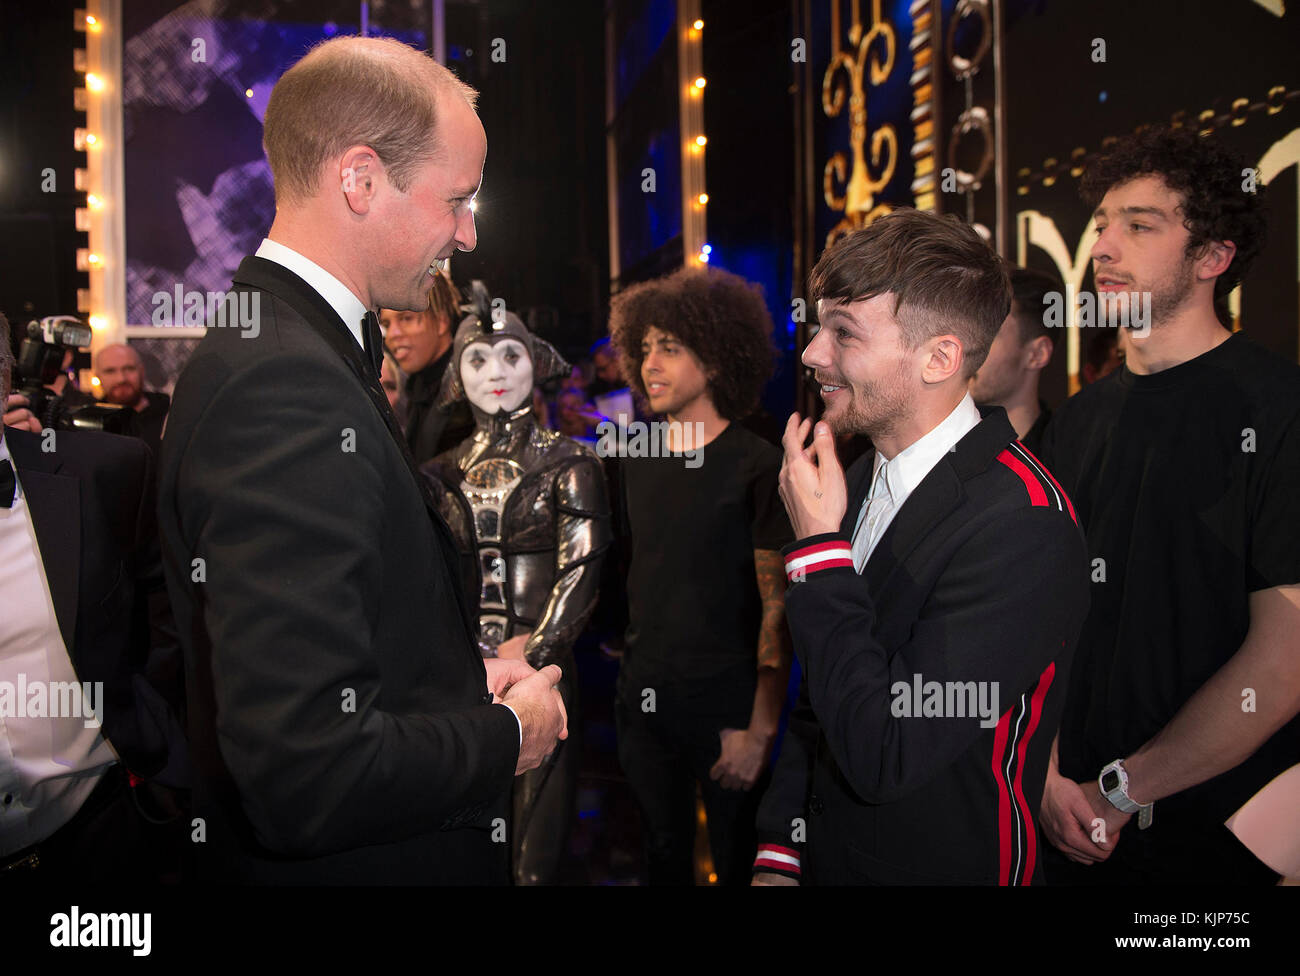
point(29, 858)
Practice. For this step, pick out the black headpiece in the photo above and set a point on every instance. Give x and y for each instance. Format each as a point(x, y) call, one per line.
point(486, 323)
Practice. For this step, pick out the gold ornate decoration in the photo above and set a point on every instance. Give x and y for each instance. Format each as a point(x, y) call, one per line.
point(1204, 122)
point(923, 105)
point(858, 200)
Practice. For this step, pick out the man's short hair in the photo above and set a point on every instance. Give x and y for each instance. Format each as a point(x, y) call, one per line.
point(119, 345)
point(719, 316)
point(944, 277)
point(1029, 292)
point(349, 91)
point(1208, 177)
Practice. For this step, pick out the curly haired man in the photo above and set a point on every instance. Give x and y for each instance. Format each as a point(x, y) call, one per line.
point(701, 684)
point(1184, 465)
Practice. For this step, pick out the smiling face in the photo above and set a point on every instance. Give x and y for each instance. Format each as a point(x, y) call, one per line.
point(414, 338)
point(411, 231)
point(675, 379)
point(497, 376)
point(1142, 246)
point(868, 378)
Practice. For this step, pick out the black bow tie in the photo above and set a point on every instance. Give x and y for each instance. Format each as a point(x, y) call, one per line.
point(7, 484)
point(372, 340)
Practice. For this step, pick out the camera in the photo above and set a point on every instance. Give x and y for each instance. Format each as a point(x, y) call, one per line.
point(40, 358)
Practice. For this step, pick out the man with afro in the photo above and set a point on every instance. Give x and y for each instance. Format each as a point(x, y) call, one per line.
point(704, 675)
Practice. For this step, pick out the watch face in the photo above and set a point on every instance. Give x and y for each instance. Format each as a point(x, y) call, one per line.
point(1109, 781)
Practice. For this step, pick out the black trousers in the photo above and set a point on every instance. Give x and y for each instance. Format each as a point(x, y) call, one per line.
point(108, 839)
point(664, 754)
point(1210, 855)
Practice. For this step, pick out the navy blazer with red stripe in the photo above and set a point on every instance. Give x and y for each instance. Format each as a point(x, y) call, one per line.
point(982, 576)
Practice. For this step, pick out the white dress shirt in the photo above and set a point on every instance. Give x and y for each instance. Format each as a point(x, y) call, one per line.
point(349, 307)
point(48, 766)
point(894, 479)
point(340, 298)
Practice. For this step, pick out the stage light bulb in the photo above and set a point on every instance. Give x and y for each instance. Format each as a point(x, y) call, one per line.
point(699, 140)
point(698, 25)
point(704, 198)
point(98, 323)
point(700, 82)
point(94, 201)
point(248, 93)
point(91, 138)
point(94, 82)
point(94, 259)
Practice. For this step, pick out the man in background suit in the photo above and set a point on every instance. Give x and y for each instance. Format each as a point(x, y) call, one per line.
point(342, 722)
point(78, 568)
point(936, 593)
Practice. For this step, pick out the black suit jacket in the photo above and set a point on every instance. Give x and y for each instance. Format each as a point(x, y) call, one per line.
point(337, 703)
point(91, 502)
point(982, 576)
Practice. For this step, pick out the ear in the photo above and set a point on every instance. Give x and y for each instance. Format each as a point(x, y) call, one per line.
point(1038, 352)
point(359, 175)
point(944, 356)
point(1214, 259)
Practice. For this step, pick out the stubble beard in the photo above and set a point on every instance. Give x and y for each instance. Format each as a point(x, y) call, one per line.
point(875, 409)
point(1166, 302)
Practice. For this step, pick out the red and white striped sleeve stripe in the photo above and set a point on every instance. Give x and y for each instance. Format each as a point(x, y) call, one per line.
point(773, 857)
point(806, 560)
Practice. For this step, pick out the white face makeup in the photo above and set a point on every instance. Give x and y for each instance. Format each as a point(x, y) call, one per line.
point(497, 376)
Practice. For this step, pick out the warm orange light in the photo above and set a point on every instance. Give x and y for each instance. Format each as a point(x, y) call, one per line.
point(93, 24)
point(94, 259)
point(94, 381)
point(700, 82)
point(704, 198)
point(91, 138)
point(94, 82)
point(248, 93)
point(699, 140)
point(98, 322)
point(698, 25)
point(94, 201)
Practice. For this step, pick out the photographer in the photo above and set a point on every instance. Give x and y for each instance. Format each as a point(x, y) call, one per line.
point(79, 569)
point(41, 392)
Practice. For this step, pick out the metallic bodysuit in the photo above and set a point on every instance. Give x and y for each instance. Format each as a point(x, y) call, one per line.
point(530, 514)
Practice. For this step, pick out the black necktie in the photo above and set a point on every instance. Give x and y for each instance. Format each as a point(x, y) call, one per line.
point(7, 484)
point(372, 340)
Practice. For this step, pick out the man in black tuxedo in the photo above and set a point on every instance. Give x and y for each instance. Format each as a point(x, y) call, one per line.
point(342, 722)
point(937, 591)
point(78, 568)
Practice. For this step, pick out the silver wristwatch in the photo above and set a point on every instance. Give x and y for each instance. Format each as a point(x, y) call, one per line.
point(1113, 783)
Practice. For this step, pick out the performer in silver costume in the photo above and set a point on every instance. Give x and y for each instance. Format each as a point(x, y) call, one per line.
point(530, 514)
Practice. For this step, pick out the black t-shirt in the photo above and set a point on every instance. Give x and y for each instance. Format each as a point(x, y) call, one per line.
point(1187, 484)
point(693, 602)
